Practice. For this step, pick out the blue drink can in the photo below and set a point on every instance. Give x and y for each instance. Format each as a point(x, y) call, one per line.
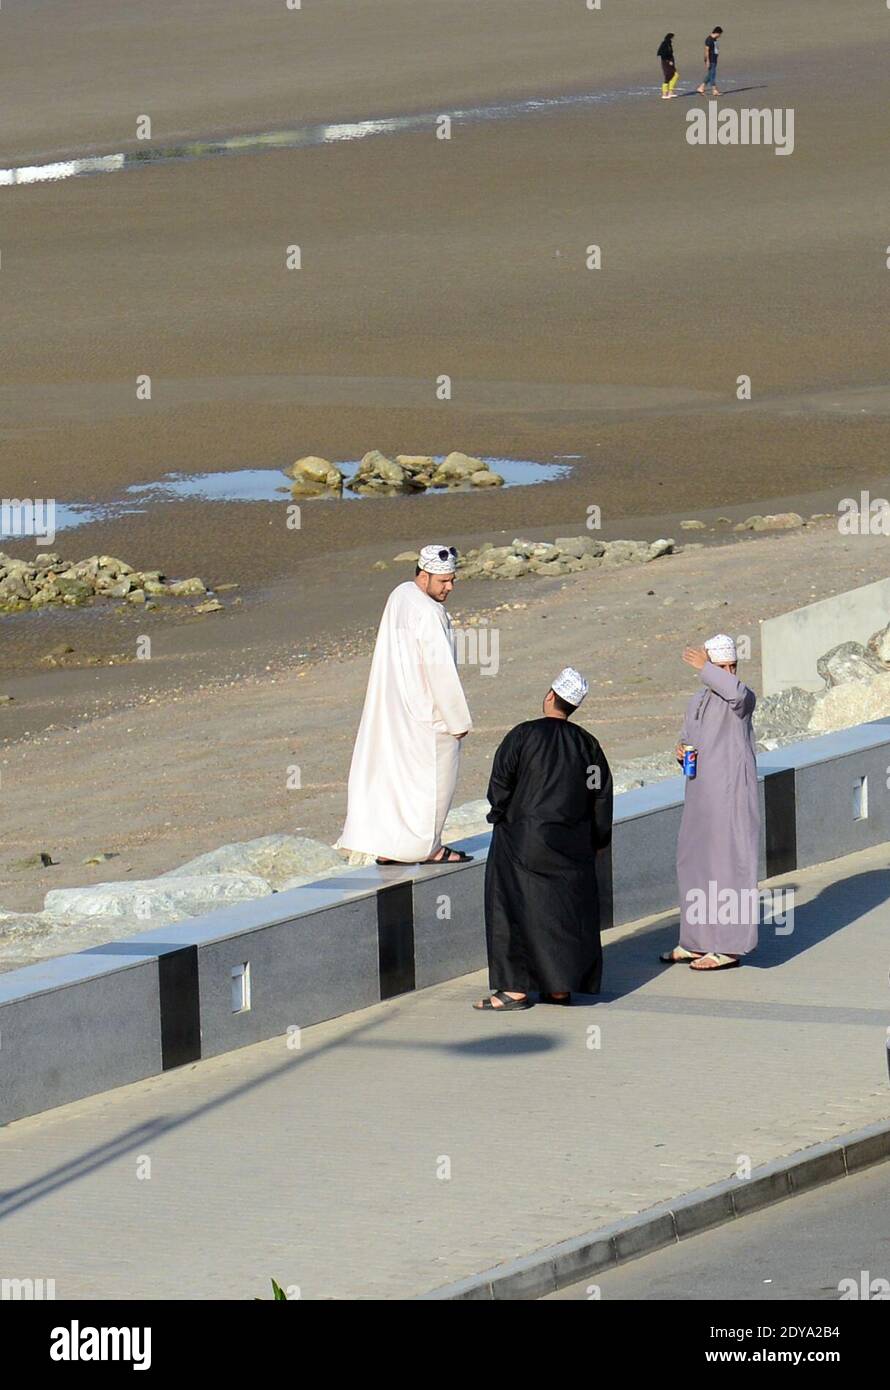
point(690, 760)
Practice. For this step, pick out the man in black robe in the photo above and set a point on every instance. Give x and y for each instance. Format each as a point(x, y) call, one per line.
point(551, 807)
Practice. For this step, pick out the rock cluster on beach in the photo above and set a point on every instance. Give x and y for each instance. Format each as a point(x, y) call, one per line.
point(565, 555)
point(382, 476)
point(48, 579)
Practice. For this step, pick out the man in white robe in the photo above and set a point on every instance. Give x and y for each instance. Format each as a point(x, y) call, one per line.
point(407, 753)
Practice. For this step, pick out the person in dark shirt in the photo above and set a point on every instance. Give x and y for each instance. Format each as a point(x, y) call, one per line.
point(712, 53)
point(551, 808)
point(668, 67)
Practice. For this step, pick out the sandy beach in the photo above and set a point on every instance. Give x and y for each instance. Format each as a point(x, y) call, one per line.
point(420, 257)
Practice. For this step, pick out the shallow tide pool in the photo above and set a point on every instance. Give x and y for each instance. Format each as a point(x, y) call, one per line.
point(266, 485)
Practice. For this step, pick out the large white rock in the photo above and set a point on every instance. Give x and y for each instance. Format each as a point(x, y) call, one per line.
point(848, 662)
point(468, 819)
point(276, 858)
point(155, 901)
point(879, 645)
point(855, 702)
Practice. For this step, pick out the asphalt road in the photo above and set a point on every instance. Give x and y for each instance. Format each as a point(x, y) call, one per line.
point(800, 1249)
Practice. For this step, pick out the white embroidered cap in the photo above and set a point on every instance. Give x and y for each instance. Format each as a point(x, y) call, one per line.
point(571, 685)
point(438, 559)
point(721, 648)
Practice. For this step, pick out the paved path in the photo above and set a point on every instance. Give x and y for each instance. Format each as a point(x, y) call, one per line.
point(321, 1167)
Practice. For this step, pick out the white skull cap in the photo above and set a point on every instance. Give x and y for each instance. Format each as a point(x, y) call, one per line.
point(721, 648)
point(571, 685)
point(431, 559)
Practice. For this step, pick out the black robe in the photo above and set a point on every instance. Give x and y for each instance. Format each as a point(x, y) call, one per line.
point(551, 807)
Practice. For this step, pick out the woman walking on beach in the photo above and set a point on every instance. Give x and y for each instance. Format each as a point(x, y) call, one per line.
point(668, 67)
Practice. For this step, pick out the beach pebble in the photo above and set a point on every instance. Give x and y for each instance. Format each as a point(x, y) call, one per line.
point(693, 525)
point(185, 588)
point(781, 521)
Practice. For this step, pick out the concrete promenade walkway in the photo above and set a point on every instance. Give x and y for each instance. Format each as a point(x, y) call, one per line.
point(418, 1142)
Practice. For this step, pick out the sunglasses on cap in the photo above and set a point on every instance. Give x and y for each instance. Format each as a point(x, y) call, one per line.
point(443, 554)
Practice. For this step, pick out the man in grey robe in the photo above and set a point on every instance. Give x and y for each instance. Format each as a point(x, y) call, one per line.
point(720, 830)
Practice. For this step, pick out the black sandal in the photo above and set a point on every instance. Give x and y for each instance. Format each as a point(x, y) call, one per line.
point(459, 857)
point(507, 1004)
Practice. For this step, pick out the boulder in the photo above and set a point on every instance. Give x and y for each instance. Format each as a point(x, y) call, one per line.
point(275, 858)
point(457, 465)
point(116, 566)
point(626, 552)
point(514, 567)
point(391, 472)
point(15, 585)
point(879, 645)
point(74, 590)
point(781, 521)
point(785, 716)
point(468, 819)
point(578, 546)
point(693, 525)
point(186, 588)
point(416, 463)
point(659, 548)
point(486, 478)
point(848, 662)
point(311, 467)
point(854, 702)
point(158, 900)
